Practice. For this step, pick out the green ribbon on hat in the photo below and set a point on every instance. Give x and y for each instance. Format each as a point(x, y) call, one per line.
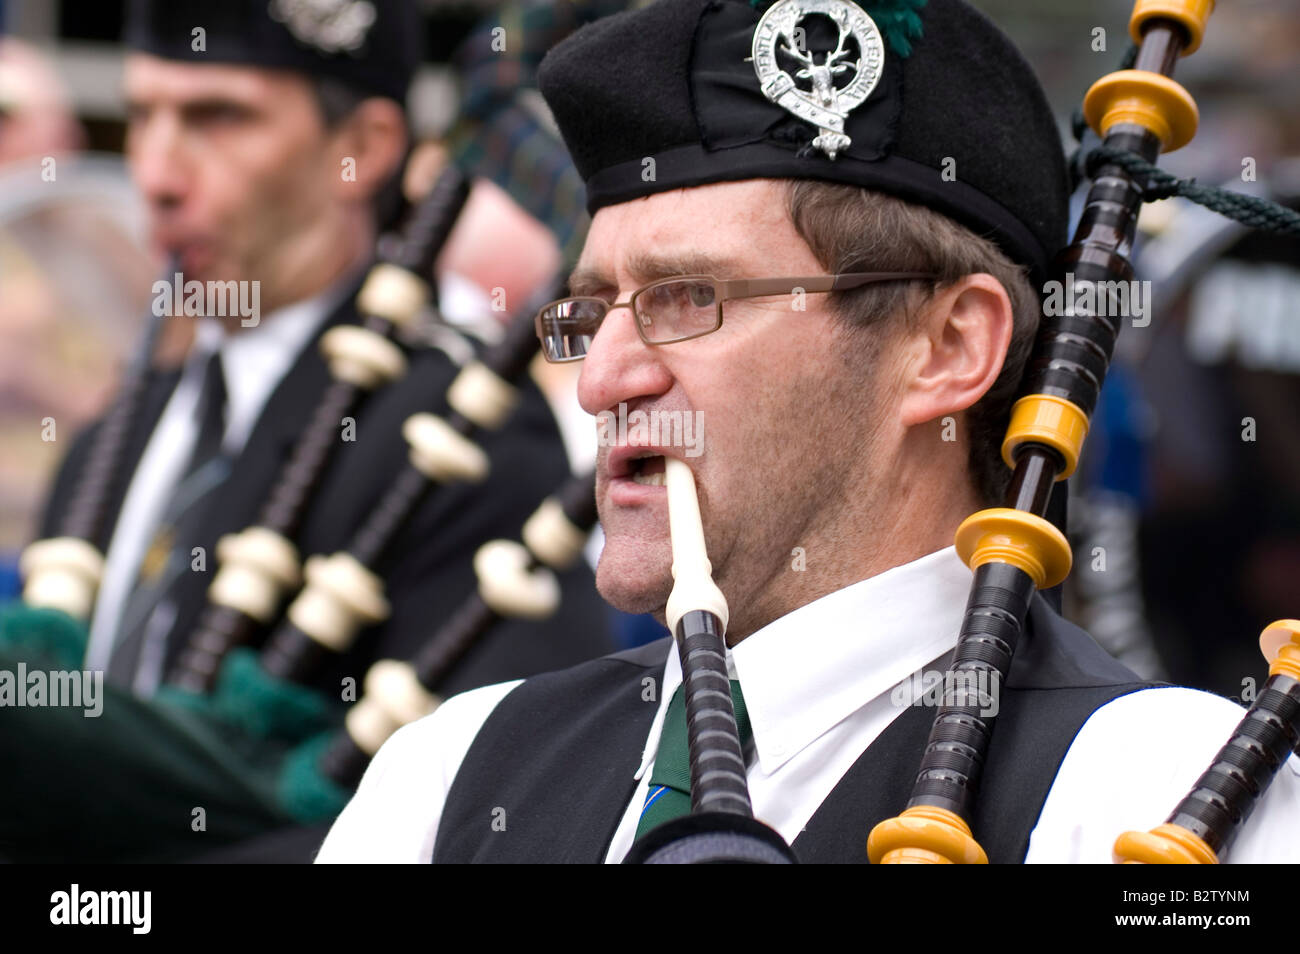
point(899, 21)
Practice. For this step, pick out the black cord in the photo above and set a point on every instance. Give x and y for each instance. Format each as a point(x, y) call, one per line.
point(1156, 184)
point(1253, 211)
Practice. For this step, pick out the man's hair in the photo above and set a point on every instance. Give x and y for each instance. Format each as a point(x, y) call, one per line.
point(337, 101)
point(853, 229)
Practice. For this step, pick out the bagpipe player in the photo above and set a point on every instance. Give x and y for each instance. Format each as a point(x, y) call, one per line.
point(263, 137)
point(822, 227)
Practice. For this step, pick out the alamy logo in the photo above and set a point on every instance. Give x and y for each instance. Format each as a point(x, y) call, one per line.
point(1131, 299)
point(61, 687)
point(651, 429)
point(103, 907)
point(196, 299)
point(978, 688)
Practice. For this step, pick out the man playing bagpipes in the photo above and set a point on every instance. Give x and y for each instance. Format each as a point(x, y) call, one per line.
point(263, 137)
point(821, 228)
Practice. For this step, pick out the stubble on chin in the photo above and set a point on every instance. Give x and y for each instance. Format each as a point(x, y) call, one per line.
point(635, 577)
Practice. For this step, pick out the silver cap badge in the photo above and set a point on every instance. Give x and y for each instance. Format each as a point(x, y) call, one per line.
point(819, 101)
point(331, 26)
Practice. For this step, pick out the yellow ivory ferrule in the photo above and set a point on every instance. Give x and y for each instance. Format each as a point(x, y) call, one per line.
point(1280, 644)
point(1164, 845)
point(1191, 15)
point(924, 835)
point(693, 586)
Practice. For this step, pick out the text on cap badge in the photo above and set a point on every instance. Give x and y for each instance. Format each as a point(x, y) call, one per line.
point(821, 101)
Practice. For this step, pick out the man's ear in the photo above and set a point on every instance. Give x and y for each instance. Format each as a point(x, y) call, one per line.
point(367, 147)
point(957, 350)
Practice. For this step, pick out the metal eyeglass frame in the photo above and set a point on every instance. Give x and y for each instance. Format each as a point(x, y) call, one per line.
point(726, 290)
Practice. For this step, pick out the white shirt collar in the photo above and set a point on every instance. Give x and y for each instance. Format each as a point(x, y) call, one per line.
point(814, 667)
point(256, 359)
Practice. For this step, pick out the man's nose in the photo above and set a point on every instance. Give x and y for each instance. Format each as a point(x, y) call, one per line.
point(619, 366)
point(158, 160)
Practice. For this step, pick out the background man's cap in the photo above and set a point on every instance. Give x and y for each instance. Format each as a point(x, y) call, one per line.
point(952, 118)
point(371, 45)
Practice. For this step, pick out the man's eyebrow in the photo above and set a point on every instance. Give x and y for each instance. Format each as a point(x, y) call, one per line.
point(197, 106)
point(210, 102)
point(654, 266)
point(650, 267)
point(586, 282)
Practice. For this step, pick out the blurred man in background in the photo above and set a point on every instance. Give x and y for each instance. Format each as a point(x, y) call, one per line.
point(264, 140)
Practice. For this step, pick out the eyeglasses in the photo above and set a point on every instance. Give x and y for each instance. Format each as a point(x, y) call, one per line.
point(678, 309)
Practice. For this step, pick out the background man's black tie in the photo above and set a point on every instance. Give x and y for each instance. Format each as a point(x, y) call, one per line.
point(150, 611)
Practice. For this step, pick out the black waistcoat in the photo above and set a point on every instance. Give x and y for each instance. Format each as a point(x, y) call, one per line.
point(550, 774)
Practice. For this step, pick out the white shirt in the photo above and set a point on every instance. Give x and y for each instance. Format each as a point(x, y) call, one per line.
point(253, 363)
point(804, 677)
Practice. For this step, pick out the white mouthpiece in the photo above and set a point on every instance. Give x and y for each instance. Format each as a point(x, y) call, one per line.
point(693, 586)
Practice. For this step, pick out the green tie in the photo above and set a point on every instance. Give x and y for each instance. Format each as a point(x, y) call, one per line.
point(670, 782)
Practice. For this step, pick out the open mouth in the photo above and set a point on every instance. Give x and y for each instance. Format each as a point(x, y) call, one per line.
point(647, 469)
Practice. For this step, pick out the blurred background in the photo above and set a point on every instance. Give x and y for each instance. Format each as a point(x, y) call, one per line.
point(1186, 517)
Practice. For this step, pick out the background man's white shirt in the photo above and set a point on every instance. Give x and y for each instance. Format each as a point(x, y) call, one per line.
point(804, 677)
point(253, 362)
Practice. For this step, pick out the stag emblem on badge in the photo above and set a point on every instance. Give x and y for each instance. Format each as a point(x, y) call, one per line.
point(331, 26)
point(817, 91)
